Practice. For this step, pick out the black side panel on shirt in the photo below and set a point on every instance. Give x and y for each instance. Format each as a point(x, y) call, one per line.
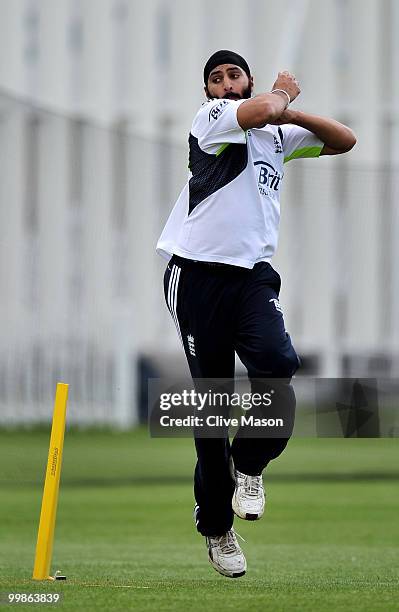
point(212, 172)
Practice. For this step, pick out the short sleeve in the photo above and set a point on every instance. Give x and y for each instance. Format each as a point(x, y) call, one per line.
point(216, 125)
point(299, 142)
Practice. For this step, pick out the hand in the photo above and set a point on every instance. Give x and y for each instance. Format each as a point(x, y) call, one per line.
point(288, 82)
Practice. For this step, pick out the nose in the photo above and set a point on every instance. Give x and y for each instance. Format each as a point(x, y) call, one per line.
point(227, 84)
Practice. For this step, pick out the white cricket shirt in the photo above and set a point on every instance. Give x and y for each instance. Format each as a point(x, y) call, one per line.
point(229, 210)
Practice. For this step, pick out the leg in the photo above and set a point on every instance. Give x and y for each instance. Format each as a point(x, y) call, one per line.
point(201, 303)
point(265, 348)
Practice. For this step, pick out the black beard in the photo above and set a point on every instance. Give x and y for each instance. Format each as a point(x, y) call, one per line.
point(233, 96)
point(229, 96)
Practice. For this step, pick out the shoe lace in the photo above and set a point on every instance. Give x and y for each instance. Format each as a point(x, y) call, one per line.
point(252, 485)
point(228, 542)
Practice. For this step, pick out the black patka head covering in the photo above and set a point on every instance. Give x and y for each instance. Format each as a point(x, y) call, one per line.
point(225, 57)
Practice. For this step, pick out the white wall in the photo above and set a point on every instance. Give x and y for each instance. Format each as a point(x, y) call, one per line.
point(82, 287)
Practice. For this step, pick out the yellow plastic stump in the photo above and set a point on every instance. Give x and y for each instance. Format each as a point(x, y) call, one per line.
point(45, 536)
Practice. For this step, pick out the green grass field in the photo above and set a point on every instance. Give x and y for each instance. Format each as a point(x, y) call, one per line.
point(125, 537)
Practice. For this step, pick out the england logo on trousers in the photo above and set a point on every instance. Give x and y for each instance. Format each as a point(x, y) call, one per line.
point(191, 345)
point(277, 304)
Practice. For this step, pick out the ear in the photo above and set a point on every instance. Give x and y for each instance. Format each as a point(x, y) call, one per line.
point(251, 83)
point(207, 92)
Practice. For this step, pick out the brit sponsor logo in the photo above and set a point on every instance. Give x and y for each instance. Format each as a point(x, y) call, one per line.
point(268, 178)
point(217, 110)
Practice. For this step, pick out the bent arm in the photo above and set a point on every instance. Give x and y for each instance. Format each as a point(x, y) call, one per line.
point(337, 137)
point(260, 110)
point(268, 107)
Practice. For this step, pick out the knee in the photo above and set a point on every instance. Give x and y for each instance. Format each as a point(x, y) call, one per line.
point(286, 364)
point(276, 363)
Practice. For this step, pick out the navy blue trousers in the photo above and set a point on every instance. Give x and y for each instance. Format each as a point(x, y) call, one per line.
point(219, 310)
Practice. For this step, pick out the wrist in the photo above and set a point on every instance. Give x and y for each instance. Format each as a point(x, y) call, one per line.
point(282, 94)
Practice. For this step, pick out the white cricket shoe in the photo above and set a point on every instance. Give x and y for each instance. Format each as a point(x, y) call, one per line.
point(249, 496)
point(226, 555)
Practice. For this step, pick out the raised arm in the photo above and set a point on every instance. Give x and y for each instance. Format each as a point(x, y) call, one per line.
point(268, 107)
point(337, 137)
